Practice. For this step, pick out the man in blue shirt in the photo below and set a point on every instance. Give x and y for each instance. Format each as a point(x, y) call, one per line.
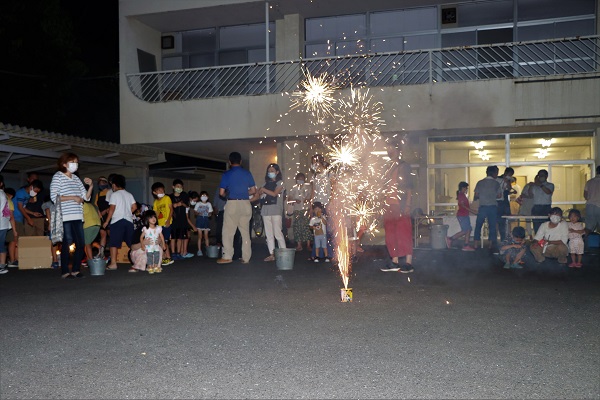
point(238, 184)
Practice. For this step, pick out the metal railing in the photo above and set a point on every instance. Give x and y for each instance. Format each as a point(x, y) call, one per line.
point(510, 60)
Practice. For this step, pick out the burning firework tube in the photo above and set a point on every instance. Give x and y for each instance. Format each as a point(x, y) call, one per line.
point(346, 294)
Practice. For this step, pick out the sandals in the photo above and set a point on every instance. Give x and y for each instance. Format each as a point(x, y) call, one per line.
point(132, 270)
point(270, 258)
point(112, 269)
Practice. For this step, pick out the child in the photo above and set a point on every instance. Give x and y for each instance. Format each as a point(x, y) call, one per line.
point(318, 224)
point(179, 230)
point(576, 230)
point(203, 211)
point(164, 208)
point(12, 236)
point(48, 209)
point(6, 221)
point(153, 240)
point(462, 215)
point(91, 226)
point(514, 251)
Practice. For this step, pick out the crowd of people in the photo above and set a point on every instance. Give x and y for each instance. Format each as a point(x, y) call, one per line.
point(553, 236)
point(97, 216)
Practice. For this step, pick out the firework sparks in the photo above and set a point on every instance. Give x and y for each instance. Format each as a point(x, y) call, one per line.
point(359, 114)
point(316, 96)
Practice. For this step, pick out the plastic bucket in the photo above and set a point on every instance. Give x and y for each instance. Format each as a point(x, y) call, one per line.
point(213, 251)
point(97, 266)
point(284, 258)
point(438, 236)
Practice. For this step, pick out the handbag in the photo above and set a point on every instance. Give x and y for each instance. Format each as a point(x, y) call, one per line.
point(56, 223)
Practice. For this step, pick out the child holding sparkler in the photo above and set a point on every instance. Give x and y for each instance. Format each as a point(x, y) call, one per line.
point(514, 249)
point(318, 224)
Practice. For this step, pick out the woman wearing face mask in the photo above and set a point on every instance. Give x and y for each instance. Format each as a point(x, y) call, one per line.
point(300, 198)
point(66, 185)
point(551, 238)
point(272, 196)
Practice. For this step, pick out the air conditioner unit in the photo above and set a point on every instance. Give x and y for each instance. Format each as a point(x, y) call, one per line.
point(171, 43)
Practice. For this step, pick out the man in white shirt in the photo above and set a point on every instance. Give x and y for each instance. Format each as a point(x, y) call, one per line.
point(551, 238)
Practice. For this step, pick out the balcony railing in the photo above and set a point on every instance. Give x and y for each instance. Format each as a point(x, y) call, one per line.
point(510, 60)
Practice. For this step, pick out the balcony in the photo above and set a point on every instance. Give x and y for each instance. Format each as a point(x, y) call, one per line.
point(510, 60)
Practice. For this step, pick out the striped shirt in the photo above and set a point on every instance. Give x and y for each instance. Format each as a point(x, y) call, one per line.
point(64, 186)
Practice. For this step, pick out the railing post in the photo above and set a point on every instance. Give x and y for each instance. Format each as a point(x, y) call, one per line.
point(430, 52)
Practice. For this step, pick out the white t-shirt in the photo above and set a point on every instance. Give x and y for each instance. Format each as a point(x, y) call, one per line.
point(559, 232)
point(153, 235)
point(320, 228)
point(122, 200)
point(4, 220)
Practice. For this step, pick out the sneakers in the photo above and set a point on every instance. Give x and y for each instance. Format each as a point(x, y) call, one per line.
point(391, 268)
point(176, 256)
point(327, 259)
point(167, 261)
point(468, 248)
point(13, 264)
point(150, 271)
point(406, 268)
point(199, 253)
point(516, 266)
point(84, 262)
point(448, 242)
point(507, 265)
point(3, 269)
point(187, 255)
point(316, 260)
point(54, 265)
point(224, 261)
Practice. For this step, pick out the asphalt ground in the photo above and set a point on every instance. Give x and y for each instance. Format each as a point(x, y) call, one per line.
point(460, 326)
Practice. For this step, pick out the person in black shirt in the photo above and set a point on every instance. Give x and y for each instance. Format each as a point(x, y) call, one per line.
point(179, 227)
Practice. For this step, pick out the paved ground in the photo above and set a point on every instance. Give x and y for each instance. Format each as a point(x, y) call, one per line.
point(460, 327)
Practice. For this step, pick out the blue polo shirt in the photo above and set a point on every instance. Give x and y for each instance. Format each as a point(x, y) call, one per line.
point(237, 180)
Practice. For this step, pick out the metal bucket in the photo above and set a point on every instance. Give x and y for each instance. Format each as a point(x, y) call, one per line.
point(284, 258)
point(97, 266)
point(438, 236)
point(213, 251)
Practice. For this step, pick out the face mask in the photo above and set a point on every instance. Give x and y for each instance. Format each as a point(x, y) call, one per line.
point(178, 190)
point(555, 219)
point(160, 195)
point(272, 175)
point(203, 198)
point(72, 167)
point(32, 193)
point(192, 203)
point(300, 182)
point(102, 187)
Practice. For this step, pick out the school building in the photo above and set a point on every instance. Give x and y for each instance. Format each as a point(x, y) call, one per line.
point(471, 83)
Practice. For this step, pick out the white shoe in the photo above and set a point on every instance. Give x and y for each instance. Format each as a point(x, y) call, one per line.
point(199, 253)
point(3, 270)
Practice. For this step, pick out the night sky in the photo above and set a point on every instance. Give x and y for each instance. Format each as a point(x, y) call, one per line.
point(60, 67)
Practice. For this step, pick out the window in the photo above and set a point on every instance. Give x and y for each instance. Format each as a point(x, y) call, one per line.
point(393, 23)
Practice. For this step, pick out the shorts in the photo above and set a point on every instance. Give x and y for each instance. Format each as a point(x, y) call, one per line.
point(465, 223)
point(121, 231)
point(20, 228)
point(10, 236)
point(90, 233)
point(203, 223)
point(166, 233)
point(320, 242)
point(3, 233)
point(180, 233)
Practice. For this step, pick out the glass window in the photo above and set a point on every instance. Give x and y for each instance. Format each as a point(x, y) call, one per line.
point(543, 9)
point(387, 45)
point(485, 13)
point(420, 42)
point(199, 41)
point(233, 57)
point(202, 60)
point(245, 36)
point(349, 48)
point(319, 50)
point(336, 28)
point(403, 21)
point(171, 63)
point(459, 39)
point(535, 32)
point(465, 150)
point(575, 28)
point(550, 147)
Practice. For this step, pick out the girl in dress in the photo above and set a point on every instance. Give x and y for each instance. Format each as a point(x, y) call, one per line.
point(203, 210)
point(576, 230)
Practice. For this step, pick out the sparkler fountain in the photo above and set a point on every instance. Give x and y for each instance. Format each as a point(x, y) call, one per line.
point(355, 125)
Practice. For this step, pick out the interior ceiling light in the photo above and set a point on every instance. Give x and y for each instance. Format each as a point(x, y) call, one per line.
point(542, 153)
point(478, 145)
point(546, 142)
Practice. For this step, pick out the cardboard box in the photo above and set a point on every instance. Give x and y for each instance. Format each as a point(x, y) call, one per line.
point(34, 252)
point(123, 255)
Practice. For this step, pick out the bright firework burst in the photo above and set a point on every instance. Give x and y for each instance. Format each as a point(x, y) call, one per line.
point(359, 114)
point(315, 96)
